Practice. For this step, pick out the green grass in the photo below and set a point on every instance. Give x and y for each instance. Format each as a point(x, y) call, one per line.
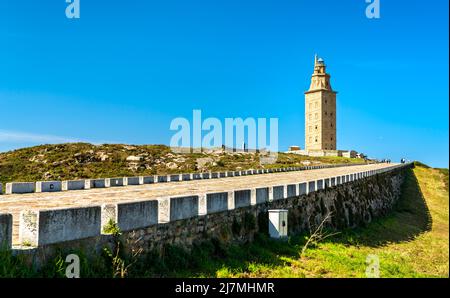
point(111, 228)
point(14, 266)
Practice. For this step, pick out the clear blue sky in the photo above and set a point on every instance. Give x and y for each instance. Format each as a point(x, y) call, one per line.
point(125, 69)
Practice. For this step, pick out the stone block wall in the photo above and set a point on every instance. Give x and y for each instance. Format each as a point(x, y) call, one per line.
point(48, 186)
point(350, 204)
point(43, 227)
point(184, 220)
point(20, 187)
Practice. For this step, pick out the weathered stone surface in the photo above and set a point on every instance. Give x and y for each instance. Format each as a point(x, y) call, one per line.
point(311, 186)
point(230, 200)
point(108, 215)
point(6, 224)
point(183, 207)
point(134, 215)
point(202, 204)
point(113, 182)
point(135, 180)
point(291, 190)
point(38, 228)
point(262, 195)
point(216, 202)
point(186, 177)
point(302, 187)
point(73, 185)
point(162, 178)
point(175, 177)
point(242, 198)
point(149, 179)
point(99, 183)
point(20, 187)
point(48, 186)
point(320, 184)
point(278, 192)
point(163, 210)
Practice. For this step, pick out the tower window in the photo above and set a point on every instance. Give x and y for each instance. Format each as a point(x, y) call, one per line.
point(316, 127)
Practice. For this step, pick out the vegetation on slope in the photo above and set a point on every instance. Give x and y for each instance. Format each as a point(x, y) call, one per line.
point(413, 241)
point(81, 160)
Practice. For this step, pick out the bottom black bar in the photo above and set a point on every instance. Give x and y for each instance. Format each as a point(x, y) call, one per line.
point(227, 287)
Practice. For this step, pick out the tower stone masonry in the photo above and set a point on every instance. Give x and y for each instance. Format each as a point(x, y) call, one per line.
point(320, 110)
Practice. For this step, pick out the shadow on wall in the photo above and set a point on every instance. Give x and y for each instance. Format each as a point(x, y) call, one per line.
point(409, 218)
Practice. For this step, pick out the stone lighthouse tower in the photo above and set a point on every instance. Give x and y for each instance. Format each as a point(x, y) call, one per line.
point(320, 110)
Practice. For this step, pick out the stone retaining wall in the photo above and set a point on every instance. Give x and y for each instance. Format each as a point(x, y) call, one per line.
point(235, 215)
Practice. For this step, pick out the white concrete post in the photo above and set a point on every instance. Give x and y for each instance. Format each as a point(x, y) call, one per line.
point(164, 210)
point(87, 184)
point(270, 193)
point(253, 196)
point(202, 205)
point(109, 212)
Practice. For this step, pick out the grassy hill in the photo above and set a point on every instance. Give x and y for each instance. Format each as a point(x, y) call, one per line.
point(82, 160)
